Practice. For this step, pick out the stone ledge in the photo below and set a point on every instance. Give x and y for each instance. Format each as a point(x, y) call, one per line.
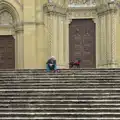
point(109, 65)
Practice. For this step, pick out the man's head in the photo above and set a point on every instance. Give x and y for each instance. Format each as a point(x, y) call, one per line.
point(53, 57)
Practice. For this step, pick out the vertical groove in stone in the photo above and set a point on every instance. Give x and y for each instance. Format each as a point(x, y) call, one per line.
point(100, 61)
point(113, 36)
point(102, 41)
point(50, 25)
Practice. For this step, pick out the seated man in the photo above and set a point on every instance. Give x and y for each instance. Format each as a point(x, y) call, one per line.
point(51, 64)
point(76, 64)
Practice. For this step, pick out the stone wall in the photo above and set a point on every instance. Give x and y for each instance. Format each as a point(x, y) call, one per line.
point(41, 29)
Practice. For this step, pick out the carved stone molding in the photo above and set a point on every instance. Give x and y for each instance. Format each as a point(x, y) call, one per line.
point(107, 8)
point(80, 3)
point(19, 3)
point(94, 20)
point(69, 21)
point(52, 8)
point(6, 6)
point(6, 18)
point(82, 13)
point(19, 29)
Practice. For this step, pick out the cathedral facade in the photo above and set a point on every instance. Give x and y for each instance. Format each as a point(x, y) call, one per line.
point(33, 30)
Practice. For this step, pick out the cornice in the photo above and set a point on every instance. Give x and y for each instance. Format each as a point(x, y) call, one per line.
point(81, 8)
point(54, 8)
point(29, 23)
point(19, 29)
point(20, 26)
point(85, 12)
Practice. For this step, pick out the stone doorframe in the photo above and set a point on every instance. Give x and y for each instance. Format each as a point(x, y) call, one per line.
point(85, 13)
point(10, 24)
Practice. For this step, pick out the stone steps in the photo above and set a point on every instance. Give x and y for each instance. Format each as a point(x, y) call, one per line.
point(39, 71)
point(62, 77)
point(60, 118)
point(85, 94)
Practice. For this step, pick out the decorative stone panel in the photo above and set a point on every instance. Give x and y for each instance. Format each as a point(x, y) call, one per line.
point(6, 18)
point(105, 8)
point(84, 3)
point(82, 13)
point(55, 9)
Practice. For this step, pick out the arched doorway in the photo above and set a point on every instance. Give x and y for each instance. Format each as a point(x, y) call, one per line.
point(82, 43)
point(10, 37)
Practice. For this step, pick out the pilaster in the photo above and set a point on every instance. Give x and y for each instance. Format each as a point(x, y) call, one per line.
point(98, 45)
point(19, 49)
point(41, 34)
point(107, 14)
point(118, 38)
point(46, 35)
point(50, 34)
point(55, 44)
point(102, 42)
point(61, 43)
point(30, 56)
point(56, 47)
point(66, 42)
point(109, 36)
point(113, 15)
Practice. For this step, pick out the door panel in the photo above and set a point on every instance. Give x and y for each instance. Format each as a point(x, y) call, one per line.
point(7, 52)
point(82, 42)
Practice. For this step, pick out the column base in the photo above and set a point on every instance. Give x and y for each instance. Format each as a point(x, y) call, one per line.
point(109, 65)
point(63, 66)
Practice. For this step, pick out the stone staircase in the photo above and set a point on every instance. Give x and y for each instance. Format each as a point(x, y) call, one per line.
point(85, 94)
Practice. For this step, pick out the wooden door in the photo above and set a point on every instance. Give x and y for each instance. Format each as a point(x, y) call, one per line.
point(7, 52)
point(82, 43)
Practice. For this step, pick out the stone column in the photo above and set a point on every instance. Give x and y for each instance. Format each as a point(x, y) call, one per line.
point(30, 56)
point(105, 40)
point(55, 27)
point(19, 55)
point(100, 29)
point(41, 34)
point(109, 36)
point(98, 42)
point(108, 40)
point(61, 42)
point(66, 3)
point(57, 38)
point(113, 17)
point(50, 34)
point(46, 34)
point(66, 42)
point(102, 41)
point(55, 34)
point(62, 2)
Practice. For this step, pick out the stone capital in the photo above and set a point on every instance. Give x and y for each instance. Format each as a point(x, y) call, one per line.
point(94, 20)
point(107, 8)
point(52, 8)
point(69, 21)
point(19, 29)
